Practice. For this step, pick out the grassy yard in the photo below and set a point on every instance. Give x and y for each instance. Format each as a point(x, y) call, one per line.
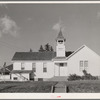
point(29, 87)
point(84, 86)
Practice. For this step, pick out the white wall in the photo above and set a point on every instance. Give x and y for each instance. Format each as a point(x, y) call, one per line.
point(17, 65)
point(20, 76)
point(84, 54)
point(60, 49)
point(39, 68)
point(39, 71)
point(4, 77)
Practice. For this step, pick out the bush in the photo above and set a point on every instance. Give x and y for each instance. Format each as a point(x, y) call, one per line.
point(86, 76)
point(73, 77)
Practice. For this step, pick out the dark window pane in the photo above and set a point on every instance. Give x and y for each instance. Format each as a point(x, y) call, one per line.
point(15, 78)
point(44, 69)
point(61, 64)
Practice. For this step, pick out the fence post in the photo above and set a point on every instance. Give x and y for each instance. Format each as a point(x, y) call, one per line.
point(67, 89)
point(52, 89)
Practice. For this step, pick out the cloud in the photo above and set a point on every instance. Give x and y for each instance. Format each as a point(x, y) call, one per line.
point(59, 25)
point(8, 26)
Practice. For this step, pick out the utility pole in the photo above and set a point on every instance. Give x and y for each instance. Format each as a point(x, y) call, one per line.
point(4, 66)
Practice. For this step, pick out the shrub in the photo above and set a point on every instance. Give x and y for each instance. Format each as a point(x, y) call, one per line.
point(86, 76)
point(74, 77)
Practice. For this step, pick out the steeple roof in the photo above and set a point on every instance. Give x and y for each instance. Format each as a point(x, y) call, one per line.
point(60, 36)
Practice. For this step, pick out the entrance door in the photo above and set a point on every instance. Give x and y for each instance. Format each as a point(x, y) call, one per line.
point(61, 69)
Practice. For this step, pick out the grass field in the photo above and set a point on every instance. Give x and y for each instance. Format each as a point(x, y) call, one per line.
point(85, 86)
point(23, 87)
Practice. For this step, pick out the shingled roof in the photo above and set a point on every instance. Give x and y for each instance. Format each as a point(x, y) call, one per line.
point(34, 55)
point(48, 55)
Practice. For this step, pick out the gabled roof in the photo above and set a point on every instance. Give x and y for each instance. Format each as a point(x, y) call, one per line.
point(47, 55)
point(21, 71)
point(76, 52)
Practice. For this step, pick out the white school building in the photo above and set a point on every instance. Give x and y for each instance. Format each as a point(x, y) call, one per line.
point(42, 66)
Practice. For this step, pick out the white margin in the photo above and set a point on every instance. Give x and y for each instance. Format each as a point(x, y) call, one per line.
point(50, 2)
point(49, 95)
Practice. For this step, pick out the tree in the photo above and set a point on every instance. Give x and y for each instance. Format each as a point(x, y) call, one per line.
point(41, 49)
point(47, 47)
point(51, 49)
point(4, 67)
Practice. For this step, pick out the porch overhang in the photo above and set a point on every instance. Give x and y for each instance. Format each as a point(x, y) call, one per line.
point(57, 59)
point(21, 71)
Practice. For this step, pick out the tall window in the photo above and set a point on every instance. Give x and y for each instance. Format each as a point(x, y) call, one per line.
point(44, 67)
point(83, 65)
point(22, 66)
point(34, 67)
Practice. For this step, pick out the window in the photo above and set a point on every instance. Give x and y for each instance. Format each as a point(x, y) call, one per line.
point(83, 65)
point(34, 67)
point(60, 41)
point(61, 64)
point(44, 67)
point(15, 78)
point(22, 66)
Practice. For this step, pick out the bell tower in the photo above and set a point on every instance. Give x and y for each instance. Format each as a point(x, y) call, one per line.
point(60, 47)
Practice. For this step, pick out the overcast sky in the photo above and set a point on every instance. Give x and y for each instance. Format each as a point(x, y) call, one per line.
point(25, 26)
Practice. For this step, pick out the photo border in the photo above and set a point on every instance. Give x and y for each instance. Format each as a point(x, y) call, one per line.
point(49, 95)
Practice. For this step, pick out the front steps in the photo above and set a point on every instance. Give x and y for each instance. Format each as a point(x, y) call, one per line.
point(58, 78)
point(60, 87)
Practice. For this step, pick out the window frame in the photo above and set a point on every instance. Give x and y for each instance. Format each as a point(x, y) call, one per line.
point(83, 64)
point(44, 67)
point(34, 67)
point(86, 65)
point(22, 66)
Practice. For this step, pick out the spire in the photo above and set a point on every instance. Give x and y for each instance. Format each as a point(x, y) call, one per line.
point(60, 35)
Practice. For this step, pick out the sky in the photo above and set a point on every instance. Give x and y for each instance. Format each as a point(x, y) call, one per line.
point(25, 26)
